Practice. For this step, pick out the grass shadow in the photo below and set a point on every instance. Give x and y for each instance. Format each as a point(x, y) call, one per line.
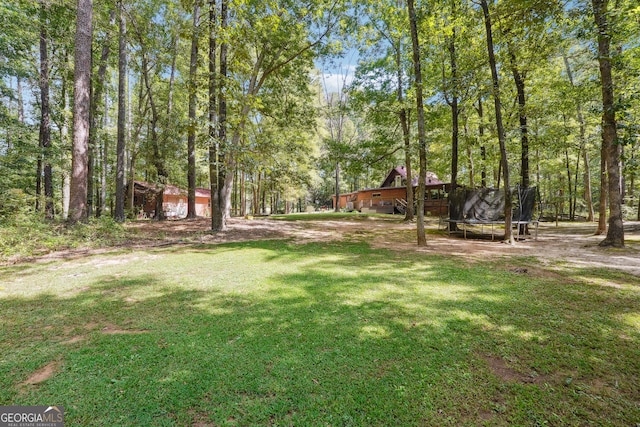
point(273, 333)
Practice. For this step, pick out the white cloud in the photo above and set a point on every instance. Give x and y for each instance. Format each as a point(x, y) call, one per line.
point(336, 81)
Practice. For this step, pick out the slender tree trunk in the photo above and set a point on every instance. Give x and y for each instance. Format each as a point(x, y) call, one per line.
point(243, 198)
point(519, 80)
point(583, 146)
point(263, 194)
point(569, 183)
point(472, 167)
point(102, 199)
point(64, 138)
point(81, 107)
point(483, 149)
point(158, 160)
point(575, 186)
point(45, 118)
point(455, 115)
point(336, 208)
point(20, 100)
point(96, 95)
point(604, 193)
point(235, 197)
point(132, 151)
point(122, 115)
point(219, 200)
point(538, 171)
point(172, 74)
point(191, 137)
point(422, 144)
point(508, 236)
point(406, 133)
point(256, 193)
point(224, 155)
point(39, 183)
point(406, 136)
point(131, 188)
point(611, 147)
point(587, 183)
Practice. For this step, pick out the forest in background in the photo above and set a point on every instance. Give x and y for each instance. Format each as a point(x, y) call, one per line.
point(232, 95)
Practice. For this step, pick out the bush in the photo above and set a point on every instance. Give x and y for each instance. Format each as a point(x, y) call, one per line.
point(16, 205)
point(104, 229)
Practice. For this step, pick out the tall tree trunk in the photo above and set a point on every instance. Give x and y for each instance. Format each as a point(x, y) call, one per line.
point(406, 137)
point(172, 74)
point(422, 144)
point(213, 113)
point(96, 95)
point(455, 115)
point(403, 116)
point(101, 204)
point(508, 236)
point(45, 118)
point(519, 80)
point(158, 160)
point(191, 137)
point(220, 194)
point(64, 139)
point(224, 154)
point(483, 148)
point(122, 115)
point(583, 145)
point(406, 134)
point(610, 144)
point(81, 107)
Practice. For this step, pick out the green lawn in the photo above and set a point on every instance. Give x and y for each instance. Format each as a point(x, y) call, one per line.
point(271, 333)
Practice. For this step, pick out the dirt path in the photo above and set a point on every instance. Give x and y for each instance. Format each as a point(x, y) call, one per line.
point(569, 244)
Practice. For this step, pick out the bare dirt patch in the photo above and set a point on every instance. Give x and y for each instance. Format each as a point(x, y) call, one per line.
point(74, 340)
point(42, 374)
point(556, 248)
point(505, 373)
point(568, 245)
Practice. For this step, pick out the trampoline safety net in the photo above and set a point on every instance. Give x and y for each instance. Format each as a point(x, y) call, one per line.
point(487, 204)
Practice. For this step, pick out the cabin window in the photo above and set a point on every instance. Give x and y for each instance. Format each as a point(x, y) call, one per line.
point(398, 181)
point(376, 195)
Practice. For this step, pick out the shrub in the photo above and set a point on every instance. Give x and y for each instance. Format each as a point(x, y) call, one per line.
point(16, 205)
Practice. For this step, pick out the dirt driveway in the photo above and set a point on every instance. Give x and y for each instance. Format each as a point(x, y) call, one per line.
point(556, 246)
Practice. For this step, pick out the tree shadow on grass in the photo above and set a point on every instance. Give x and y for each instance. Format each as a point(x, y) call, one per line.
point(325, 334)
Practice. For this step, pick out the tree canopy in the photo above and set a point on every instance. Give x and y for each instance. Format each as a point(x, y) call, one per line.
point(233, 95)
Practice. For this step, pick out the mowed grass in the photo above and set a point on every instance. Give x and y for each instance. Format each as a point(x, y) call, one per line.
point(272, 333)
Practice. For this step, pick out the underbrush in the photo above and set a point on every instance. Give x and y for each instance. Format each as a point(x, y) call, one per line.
point(26, 235)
